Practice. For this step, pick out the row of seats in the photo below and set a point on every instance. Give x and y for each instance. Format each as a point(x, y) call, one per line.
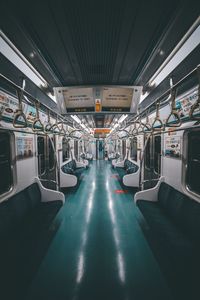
point(113, 155)
point(174, 223)
point(130, 167)
point(88, 156)
point(25, 233)
point(71, 168)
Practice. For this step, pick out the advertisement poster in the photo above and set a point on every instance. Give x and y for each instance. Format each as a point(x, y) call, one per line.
point(173, 146)
point(184, 104)
point(8, 105)
point(24, 147)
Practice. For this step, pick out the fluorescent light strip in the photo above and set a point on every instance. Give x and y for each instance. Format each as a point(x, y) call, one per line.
point(122, 118)
point(76, 119)
point(79, 122)
point(185, 47)
point(8, 49)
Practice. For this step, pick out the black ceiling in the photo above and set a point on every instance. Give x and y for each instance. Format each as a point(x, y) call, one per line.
point(83, 42)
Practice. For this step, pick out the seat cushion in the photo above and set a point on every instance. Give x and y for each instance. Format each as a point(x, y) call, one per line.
point(12, 212)
point(183, 211)
point(175, 242)
point(7, 216)
point(66, 169)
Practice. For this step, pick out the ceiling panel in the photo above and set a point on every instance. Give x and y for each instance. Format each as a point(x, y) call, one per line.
point(96, 42)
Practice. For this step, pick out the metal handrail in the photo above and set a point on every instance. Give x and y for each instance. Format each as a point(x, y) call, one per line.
point(19, 112)
point(37, 120)
point(197, 103)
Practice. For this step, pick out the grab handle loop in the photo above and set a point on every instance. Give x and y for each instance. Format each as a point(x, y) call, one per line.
point(37, 124)
point(147, 126)
point(157, 119)
point(141, 125)
point(19, 115)
point(196, 105)
point(122, 126)
point(47, 127)
point(173, 113)
point(55, 128)
point(135, 130)
point(62, 129)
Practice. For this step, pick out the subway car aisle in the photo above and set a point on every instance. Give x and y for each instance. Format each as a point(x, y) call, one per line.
point(99, 251)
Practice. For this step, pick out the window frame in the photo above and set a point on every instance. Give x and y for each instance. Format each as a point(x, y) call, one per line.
point(12, 164)
point(154, 139)
point(185, 163)
point(76, 149)
point(124, 148)
point(68, 143)
point(44, 154)
point(135, 141)
point(148, 167)
point(50, 148)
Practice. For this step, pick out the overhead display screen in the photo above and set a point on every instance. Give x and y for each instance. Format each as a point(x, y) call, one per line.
point(76, 99)
point(117, 99)
point(98, 99)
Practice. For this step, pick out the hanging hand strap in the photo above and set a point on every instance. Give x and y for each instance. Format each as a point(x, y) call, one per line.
point(19, 116)
point(173, 113)
point(147, 126)
point(157, 118)
point(48, 125)
point(37, 125)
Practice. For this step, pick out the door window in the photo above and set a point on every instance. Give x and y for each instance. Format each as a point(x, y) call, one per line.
point(193, 162)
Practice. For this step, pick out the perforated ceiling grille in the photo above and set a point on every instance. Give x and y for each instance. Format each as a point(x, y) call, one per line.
point(84, 42)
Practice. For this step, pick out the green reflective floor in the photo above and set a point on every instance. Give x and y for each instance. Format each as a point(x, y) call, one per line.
point(99, 251)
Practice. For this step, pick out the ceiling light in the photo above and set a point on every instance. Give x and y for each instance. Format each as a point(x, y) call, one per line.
point(186, 45)
point(122, 118)
point(76, 119)
point(8, 49)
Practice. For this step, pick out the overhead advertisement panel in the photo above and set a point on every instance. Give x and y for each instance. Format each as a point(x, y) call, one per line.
point(117, 99)
point(75, 100)
point(98, 99)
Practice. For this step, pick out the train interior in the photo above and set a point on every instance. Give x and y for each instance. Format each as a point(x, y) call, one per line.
point(99, 150)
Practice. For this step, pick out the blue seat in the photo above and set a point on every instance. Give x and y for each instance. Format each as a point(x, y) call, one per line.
point(174, 234)
point(25, 234)
point(71, 168)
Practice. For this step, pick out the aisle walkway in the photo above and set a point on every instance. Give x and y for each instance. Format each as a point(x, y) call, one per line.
point(99, 251)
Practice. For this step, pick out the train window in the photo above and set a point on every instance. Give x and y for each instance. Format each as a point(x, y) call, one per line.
point(6, 178)
point(157, 153)
point(66, 149)
point(148, 156)
point(123, 148)
point(76, 149)
point(193, 162)
point(41, 155)
point(51, 154)
point(133, 150)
